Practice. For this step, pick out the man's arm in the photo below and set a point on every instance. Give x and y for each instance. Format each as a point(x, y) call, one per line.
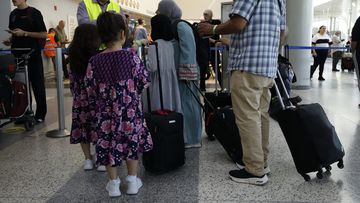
point(21, 33)
point(355, 35)
point(234, 25)
point(282, 37)
point(39, 27)
point(82, 15)
point(353, 46)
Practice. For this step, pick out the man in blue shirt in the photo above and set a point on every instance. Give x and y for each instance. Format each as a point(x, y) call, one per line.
point(256, 28)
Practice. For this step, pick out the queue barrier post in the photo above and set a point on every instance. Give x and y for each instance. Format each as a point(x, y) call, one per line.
point(62, 131)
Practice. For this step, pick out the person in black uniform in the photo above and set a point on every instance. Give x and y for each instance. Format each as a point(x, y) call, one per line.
point(27, 29)
point(208, 14)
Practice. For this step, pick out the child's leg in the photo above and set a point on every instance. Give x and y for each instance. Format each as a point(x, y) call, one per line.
point(86, 149)
point(113, 186)
point(132, 166)
point(133, 182)
point(88, 164)
point(112, 172)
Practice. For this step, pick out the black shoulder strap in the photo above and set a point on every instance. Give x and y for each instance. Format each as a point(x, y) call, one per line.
point(174, 27)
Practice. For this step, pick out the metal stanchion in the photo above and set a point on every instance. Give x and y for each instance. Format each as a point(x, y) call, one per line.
point(61, 132)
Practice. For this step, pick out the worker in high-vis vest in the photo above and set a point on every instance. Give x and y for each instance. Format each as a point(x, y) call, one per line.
point(89, 10)
point(52, 42)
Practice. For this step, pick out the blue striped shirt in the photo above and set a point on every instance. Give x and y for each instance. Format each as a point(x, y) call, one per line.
point(255, 49)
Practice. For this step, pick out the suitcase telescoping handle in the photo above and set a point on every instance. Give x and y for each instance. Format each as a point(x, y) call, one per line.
point(287, 96)
point(158, 70)
point(143, 54)
point(206, 100)
point(221, 48)
point(216, 68)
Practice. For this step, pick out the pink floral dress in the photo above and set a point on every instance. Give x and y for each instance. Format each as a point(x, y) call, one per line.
point(114, 82)
point(82, 130)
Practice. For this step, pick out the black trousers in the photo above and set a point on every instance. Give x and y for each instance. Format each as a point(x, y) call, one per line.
point(64, 68)
point(319, 60)
point(36, 78)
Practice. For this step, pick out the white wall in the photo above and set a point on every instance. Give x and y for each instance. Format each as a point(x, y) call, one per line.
point(146, 7)
point(5, 9)
point(64, 8)
point(193, 10)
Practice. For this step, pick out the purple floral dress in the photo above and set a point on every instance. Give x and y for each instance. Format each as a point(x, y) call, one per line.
point(114, 82)
point(82, 130)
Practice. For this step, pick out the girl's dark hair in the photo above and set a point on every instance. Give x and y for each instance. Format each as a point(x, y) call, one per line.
point(161, 28)
point(84, 45)
point(109, 26)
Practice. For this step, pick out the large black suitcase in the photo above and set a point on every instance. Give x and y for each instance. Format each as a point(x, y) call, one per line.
point(215, 100)
point(347, 62)
point(221, 121)
point(311, 137)
point(166, 128)
point(227, 133)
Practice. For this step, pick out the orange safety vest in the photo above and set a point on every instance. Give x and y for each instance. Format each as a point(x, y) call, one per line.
point(50, 46)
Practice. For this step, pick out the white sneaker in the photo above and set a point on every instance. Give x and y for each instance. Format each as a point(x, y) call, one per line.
point(101, 168)
point(88, 165)
point(113, 187)
point(133, 186)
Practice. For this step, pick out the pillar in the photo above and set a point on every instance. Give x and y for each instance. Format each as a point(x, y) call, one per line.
point(299, 19)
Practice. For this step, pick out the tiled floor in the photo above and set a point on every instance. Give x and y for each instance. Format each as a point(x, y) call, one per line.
point(35, 168)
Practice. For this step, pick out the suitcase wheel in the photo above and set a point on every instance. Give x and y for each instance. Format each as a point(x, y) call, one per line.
point(328, 168)
point(340, 163)
point(319, 174)
point(306, 177)
point(29, 124)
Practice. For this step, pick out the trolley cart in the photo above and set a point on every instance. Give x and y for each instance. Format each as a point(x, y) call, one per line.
point(20, 109)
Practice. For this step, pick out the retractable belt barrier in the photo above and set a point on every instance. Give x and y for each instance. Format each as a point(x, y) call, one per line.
point(296, 47)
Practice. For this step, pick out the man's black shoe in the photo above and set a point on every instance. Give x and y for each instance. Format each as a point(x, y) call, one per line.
point(242, 176)
point(39, 120)
point(321, 78)
point(335, 70)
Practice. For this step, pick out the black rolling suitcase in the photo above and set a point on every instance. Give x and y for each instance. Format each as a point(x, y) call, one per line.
point(347, 62)
point(166, 128)
point(227, 133)
point(223, 127)
point(311, 137)
point(217, 100)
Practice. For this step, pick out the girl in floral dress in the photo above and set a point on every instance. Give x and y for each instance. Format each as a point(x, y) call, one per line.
point(84, 45)
point(115, 80)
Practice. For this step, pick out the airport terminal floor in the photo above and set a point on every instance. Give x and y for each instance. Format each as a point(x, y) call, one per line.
point(36, 168)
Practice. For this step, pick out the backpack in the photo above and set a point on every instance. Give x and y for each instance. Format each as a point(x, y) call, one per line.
point(41, 41)
point(202, 44)
point(7, 65)
point(19, 99)
point(5, 96)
